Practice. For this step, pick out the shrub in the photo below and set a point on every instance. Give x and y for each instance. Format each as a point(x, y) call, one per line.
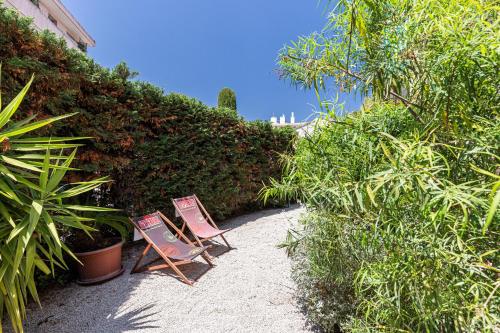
point(154, 146)
point(398, 236)
point(227, 99)
point(403, 195)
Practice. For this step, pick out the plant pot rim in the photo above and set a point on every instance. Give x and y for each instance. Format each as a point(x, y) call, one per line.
point(83, 254)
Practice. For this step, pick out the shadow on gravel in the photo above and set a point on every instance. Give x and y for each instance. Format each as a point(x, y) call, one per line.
point(136, 319)
point(193, 271)
point(100, 308)
point(95, 308)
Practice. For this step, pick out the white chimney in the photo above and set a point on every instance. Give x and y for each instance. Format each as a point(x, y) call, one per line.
point(274, 120)
point(282, 119)
point(292, 119)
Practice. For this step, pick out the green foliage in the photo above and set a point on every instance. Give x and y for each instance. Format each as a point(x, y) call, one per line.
point(34, 206)
point(439, 58)
point(124, 72)
point(396, 232)
point(227, 99)
point(154, 146)
point(402, 232)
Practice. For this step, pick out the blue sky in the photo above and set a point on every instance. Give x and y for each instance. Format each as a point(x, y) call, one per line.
point(197, 47)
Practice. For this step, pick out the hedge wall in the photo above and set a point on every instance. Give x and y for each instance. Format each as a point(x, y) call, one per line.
point(154, 146)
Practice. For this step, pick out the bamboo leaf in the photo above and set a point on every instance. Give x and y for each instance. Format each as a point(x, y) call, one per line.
point(492, 211)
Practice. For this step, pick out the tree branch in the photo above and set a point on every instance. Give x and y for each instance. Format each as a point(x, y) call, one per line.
point(405, 101)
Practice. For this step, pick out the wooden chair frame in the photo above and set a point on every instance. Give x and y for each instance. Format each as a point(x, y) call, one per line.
point(169, 263)
point(207, 216)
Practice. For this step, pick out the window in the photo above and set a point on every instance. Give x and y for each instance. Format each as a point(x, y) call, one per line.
point(36, 2)
point(82, 46)
point(52, 19)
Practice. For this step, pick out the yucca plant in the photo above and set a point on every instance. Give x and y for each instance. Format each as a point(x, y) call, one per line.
point(32, 206)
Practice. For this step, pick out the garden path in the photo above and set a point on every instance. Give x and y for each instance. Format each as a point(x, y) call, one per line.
point(249, 290)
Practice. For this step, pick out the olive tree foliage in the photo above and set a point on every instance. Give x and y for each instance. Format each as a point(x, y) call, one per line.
point(403, 195)
point(227, 99)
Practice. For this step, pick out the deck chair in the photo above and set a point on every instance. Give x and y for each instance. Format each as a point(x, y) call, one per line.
point(201, 225)
point(170, 248)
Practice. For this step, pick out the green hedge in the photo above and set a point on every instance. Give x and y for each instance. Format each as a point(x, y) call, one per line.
point(154, 146)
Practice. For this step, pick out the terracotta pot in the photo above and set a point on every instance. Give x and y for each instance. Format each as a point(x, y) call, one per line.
point(100, 265)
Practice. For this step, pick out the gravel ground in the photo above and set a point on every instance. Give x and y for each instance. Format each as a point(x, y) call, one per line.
point(249, 290)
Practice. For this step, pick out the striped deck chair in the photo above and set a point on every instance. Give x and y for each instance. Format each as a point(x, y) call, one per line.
point(201, 225)
point(170, 248)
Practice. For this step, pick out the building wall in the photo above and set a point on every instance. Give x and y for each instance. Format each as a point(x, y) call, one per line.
point(41, 20)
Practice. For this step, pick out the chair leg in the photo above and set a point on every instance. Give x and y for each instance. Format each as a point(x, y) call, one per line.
point(207, 258)
point(175, 269)
point(180, 274)
point(136, 266)
point(225, 241)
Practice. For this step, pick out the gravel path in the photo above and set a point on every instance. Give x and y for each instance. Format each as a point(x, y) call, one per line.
point(249, 290)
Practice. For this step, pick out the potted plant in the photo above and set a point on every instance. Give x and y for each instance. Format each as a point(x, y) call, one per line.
point(99, 251)
point(96, 243)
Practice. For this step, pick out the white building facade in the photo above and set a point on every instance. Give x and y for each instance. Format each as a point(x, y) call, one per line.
point(54, 16)
point(302, 128)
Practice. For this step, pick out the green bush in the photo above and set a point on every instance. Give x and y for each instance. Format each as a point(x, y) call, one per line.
point(154, 146)
point(395, 236)
point(402, 234)
point(227, 99)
